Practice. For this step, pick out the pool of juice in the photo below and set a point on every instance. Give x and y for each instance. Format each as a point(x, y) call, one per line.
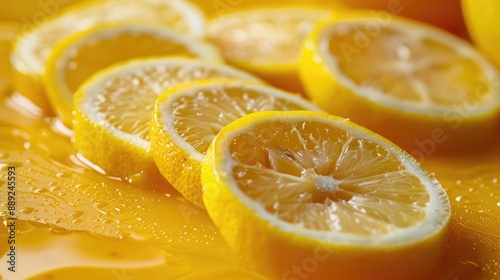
point(74, 222)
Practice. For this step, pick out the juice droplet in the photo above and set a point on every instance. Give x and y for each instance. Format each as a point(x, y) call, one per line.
point(27, 210)
point(140, 236)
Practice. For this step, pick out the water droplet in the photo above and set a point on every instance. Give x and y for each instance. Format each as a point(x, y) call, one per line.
point(99, 206)
point(76, 214)
point(27, 210)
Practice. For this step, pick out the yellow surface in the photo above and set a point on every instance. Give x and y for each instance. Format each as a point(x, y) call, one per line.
point(32, 12)
point(163, 235)
point(266, 42)
point(394, 75)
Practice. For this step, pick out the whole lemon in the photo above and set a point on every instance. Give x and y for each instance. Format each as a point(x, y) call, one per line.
point(483, 19)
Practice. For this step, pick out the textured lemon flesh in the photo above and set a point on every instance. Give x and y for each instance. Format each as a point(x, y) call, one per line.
point(319, 177)
point(264, 37)
point(127, 100)
point(200, 116)
point(409, 67)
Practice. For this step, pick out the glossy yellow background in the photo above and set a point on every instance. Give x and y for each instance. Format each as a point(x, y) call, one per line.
point(78, 224)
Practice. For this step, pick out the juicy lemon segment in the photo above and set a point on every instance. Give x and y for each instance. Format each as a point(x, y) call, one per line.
point(266, 42)
point(286, 188)
point(113, 111)
point(396, 74)
point(78, 57)
point(188, 117)
point(33, 48)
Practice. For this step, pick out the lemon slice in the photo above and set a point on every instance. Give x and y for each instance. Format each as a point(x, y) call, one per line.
point(33, 48)
point(309, 195)
point(113, 111)
point(188, 117)
point(78, 57)
point(266, 42)
point(421, 87)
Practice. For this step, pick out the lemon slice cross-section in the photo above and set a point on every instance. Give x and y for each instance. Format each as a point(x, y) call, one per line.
point(188, 117)
point(307, 189)
point(113, 110)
